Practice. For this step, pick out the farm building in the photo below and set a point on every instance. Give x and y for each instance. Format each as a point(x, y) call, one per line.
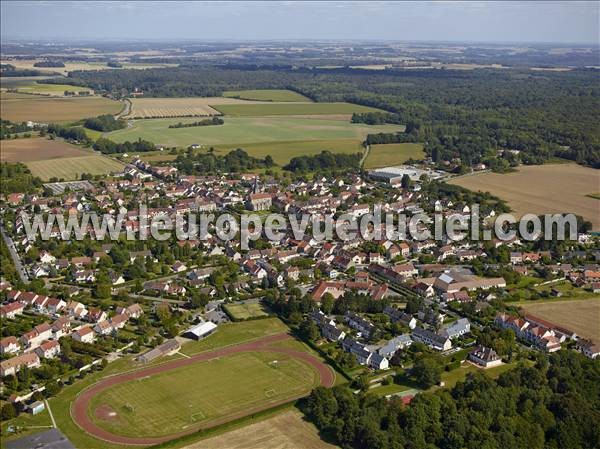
point(200, 331)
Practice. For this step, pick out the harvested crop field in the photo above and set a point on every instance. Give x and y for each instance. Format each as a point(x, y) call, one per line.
point(72, 168)
point(267, 109)
point(541, 189)
point(393, 154)
point(581, 316)
point(178, 107)
point(287, 430)
point(266, 95)
point(36, 149)
point(24, 107)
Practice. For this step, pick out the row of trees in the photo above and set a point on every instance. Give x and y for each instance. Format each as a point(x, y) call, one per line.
point(555, 403)
point(105, 123)
point(107, 146)
point(326, 160)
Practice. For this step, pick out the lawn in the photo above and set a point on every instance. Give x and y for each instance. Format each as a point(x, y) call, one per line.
point(451, 378)
point(233, 333)
point(542, 189)
point(168, 403)
point(245, 310)
point(282, 95)
point(266, 109)
point(24, 107)
point(73, 167)
point(243, 130)
point(393, 154)
point(581, 316)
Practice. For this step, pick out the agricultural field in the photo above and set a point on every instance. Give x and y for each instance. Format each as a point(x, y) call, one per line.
point(57, 90)
point(56, 159)
point(23, 107)
point(72, 168)
point(167, 403)
point(281, 95)
point(242, 130)
point(285, 430)
point(393, 154)
point(246, 309)
point(79, 65)
point(38, 148)
point(580, 316)
point(267, 109)
point(541, 189)
point(178, 107)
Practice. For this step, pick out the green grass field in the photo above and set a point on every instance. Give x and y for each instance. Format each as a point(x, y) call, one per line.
point(266, 109)
point(282, 152)
point(266, 95)
point(50, 89)
point(171, 402)
point(71, 168)
point(240, 130)
point(243, 311)
point(393, 154)
point(235, 333)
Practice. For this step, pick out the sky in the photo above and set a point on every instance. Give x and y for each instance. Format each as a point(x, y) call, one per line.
point(471, 21)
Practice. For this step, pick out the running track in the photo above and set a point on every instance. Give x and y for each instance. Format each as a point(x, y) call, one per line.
point(79, 409)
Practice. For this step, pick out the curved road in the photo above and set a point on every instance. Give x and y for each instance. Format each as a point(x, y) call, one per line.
point(80, 407)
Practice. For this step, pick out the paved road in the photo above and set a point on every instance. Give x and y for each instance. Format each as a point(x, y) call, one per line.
point(81, 405)
point(15, 256)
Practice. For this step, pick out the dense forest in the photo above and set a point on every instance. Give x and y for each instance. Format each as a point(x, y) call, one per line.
point(326, 160)
point(194, 163)
point(553, 404)
point(104, 123)
point(107, 146)
point(16, 178)
point(460, 115)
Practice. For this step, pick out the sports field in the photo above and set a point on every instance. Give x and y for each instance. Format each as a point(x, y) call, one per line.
point(178, 107)
point(393, 154)
point(282, 95)
point(22, 107)
point(581, 316)
point(286, 430)
point(73, 167)
point(267, 109)
point(170, 402)
point(240, 130)
point(541, 189)
point(246, 309)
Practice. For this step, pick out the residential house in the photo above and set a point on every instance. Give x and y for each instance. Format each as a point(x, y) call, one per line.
point(431, 339)
point(9, 345)
point(48, 350)
point(14, 365)
point(84, 335)
point(485, 357)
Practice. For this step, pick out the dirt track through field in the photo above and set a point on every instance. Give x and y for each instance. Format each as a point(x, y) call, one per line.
point(79, 408)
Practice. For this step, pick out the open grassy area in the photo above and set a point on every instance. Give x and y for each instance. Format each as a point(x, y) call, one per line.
point(266, 95)
point(234, 333)
point(245, 310)
point(249, 110)
point(241, 130)
point(285, 430)
point(581, 316)
point(541, 189)
point(25, 424)
point(451, 378)
point(73, 167)
point(22, 107)
point(51, 89)
point(393, 154)
point(169, 402)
